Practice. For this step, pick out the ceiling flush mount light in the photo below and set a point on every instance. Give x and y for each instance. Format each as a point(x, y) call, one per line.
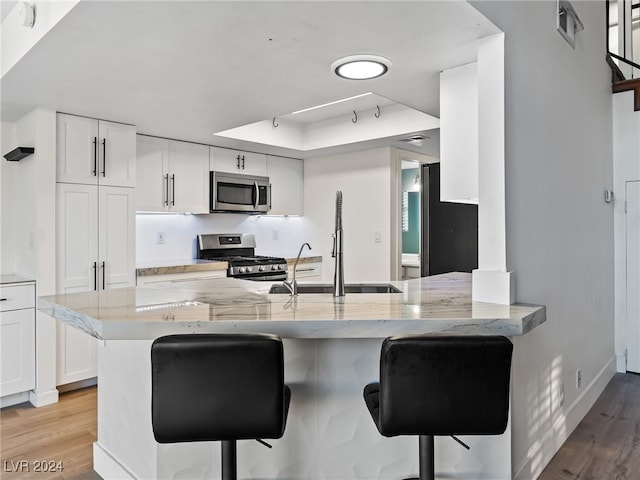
point(361, 67)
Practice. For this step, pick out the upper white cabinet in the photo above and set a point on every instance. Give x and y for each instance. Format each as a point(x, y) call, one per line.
point(172, 176)
point(95, 152)
point(286, 176)
point(234, 161)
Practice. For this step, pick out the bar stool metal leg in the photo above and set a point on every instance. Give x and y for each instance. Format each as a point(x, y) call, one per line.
point(229, 465)
point(427, 462)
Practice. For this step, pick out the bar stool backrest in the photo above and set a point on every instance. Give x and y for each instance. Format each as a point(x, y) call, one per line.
point(438, 385)
point(210, 387)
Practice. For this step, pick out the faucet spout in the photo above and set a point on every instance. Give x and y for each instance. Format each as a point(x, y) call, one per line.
point(293, 285)
point(338, 277)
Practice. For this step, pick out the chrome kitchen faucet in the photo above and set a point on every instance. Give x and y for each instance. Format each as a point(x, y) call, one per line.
point(338, 277)
point(293, 285)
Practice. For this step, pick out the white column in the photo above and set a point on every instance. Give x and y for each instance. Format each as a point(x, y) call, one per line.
point(491, 281)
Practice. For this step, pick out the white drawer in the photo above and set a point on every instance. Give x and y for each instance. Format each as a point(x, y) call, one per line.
point(15, 297)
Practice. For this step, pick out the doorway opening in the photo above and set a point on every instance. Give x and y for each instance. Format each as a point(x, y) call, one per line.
point(411, 201)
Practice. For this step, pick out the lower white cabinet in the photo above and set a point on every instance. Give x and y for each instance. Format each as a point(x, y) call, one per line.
point(180, 277)
point(305, 270)
point(286, 176)
point(17, 338)
point(95, 251)
point(77, 355)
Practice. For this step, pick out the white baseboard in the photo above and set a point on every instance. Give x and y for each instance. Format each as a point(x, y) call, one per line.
point(40, 399)
point(105, 465)
point(621, 364)
point(541, 454)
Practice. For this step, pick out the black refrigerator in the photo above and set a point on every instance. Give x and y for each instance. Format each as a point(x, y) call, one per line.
point(449, 230)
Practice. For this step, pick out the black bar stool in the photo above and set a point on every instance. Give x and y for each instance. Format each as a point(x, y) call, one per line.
point(210, 387)
point(441, 385)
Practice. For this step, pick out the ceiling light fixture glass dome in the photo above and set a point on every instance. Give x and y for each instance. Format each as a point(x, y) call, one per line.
point(361, 67)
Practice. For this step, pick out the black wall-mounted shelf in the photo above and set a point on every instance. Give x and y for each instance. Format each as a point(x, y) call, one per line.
point(19, 153)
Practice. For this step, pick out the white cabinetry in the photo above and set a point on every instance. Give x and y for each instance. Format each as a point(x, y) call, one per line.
point(180, 277)
point(172, 176)
point(17, 338)
point(96, 251)
point(234, 161)
point(95, 224)
point(95, 152)
point(286, 176)
point(305, 270)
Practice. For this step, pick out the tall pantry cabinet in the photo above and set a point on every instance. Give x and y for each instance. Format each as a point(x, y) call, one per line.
point(95, 224)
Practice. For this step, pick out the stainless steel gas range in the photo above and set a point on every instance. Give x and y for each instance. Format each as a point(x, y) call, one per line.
point(238, 250)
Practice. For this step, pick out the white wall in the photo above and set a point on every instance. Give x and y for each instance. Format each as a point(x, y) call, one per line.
point(29, 214)
point(366, 183)
point(7, 201)
point(559, 231)
point(626, 167)
point(277, 236)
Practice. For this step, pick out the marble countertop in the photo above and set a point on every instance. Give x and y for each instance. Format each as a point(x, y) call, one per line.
point(163, 267)
point(440, 303)
point(11, 278)
point(303, 260)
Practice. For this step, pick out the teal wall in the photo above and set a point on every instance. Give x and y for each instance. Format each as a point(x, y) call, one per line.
point(411, 237)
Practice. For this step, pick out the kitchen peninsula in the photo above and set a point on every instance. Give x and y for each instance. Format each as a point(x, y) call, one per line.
point(331, 351)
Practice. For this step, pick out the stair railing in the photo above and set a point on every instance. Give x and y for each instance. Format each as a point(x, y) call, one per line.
point(623, 36)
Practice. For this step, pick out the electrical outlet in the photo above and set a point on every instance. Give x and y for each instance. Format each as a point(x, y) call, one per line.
point(377, 236)
point(159, 237)
point(560, 395)
point(578, 379)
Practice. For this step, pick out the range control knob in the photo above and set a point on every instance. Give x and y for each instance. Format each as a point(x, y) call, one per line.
point(249, 269)
point(261, 269)
point(241, 270)
point(274, 267)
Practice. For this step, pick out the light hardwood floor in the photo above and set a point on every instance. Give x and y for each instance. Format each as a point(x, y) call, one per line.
point(605, 446)
point(63, 432)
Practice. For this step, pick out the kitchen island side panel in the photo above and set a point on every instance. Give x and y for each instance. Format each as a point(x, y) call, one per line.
point(329, 435)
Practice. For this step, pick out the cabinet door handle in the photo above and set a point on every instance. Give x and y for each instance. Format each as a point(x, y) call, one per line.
point(269, 196)
point(166, 190)
point(173, 190)
point(104, 285)
point(3, 299)
point(243, 162)
point(95, 275)
point(95, 156)
point(104, 157)
point(238, 163)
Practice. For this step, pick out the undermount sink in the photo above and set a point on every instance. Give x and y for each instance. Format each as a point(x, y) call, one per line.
point(304, 288)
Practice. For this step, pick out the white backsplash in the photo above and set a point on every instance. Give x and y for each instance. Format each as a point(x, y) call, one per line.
point(277, 236)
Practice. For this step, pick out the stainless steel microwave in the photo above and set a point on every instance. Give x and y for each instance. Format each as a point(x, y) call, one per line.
point(231, 192)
